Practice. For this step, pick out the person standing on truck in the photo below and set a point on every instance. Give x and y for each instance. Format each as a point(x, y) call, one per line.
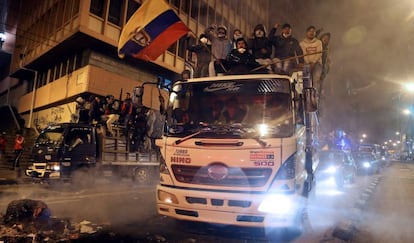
point(112, 113)
point(127, 110)
point(312, 47)
point(286, 47)
point(96, 111)
point(18, 149)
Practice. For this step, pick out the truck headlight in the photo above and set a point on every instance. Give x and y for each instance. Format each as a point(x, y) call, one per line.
point(167, 197)
point(54, 167)
point(276, 204)
point(366, 164)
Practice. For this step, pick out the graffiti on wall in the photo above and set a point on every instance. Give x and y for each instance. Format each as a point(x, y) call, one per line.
point(57, 114)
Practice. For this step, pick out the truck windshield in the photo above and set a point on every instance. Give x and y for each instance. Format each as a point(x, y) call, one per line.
point(51, 136)
point(249, 105)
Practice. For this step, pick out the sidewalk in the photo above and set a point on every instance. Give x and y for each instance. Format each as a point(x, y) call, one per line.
point(7, 175)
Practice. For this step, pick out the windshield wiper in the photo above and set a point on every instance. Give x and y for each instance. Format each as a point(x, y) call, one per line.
point(240, 127)
point(204, 129)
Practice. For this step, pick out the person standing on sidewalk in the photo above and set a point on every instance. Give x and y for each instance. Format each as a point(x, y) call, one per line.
point(18, 149)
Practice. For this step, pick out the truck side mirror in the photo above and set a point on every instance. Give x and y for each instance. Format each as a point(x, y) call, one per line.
point(311, 100)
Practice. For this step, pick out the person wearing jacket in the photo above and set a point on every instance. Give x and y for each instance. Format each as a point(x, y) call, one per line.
point(220, 47)
point(312, 48)
point(260, 46)
point(18, 149)
point(286, 48)
point(203, 52)
point(240, 60)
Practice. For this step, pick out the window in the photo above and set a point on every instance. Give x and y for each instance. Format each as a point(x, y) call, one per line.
point(203, 14)
point(75, 7)
point(132, 7)
point(97, 7)
point(211, 16)
point(194, 9)
point(176, 3)
point(115, 7)
point(182, 47)
point(185, 6)
point(173, 48)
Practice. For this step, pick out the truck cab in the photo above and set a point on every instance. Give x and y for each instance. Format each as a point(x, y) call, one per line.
point(61, 149)
point(238, 151)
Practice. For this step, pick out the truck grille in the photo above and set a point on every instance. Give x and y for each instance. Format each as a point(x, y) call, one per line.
point(238, 177)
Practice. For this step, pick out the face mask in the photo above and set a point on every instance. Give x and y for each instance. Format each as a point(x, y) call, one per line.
point(259, 33)
point(241, 50)
point(237, 36)
point(203, 40)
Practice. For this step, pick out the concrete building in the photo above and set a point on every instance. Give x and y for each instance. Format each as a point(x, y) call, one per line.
point(68, 48)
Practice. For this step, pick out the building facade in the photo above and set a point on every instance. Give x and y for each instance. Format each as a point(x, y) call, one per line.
point(68, 48)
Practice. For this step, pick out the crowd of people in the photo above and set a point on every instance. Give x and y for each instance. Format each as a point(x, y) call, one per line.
point(279, 52)
point(133, 120)
point(18, 148)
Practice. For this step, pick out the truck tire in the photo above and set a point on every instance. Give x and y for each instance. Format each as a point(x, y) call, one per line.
point(142, 175)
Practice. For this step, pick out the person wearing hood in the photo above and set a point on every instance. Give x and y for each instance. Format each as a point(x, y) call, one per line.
point(312, 48)
point(260, 46)
point(220, 47)
point(286, 47)
point(203, 52)
point(240, 60)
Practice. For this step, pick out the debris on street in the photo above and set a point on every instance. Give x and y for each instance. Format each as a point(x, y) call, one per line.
point(29, 220)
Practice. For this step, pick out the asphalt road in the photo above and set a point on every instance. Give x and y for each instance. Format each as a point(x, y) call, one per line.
point(127, 211)
point(389, 217)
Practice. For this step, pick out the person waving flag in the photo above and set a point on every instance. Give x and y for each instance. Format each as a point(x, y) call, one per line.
point(151, 30)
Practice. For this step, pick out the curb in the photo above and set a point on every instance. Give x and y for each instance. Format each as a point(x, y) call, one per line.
point(346, 229)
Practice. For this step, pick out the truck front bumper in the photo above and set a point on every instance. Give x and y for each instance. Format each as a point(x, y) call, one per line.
point(231, 208)
point(40, 171)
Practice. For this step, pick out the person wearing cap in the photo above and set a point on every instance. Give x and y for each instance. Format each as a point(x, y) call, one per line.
point(286, 48)
point(220, 47)
point(203, 52)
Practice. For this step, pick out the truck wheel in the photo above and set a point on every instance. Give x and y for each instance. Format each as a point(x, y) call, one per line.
point(142, 175)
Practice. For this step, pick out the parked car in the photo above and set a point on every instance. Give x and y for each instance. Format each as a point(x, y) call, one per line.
point(367, 162)
point(337, 164)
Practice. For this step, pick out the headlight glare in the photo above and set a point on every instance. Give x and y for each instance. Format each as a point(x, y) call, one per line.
point(167, 197)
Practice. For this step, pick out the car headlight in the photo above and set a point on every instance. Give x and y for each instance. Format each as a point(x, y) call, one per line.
point(331, 169)
point(366, 164)
point(276, 204)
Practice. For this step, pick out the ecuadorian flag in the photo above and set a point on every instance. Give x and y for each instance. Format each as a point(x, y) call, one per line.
point(150, 31)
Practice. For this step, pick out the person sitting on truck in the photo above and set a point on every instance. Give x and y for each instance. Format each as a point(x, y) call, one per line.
point(76, 141)
point(240, 60)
